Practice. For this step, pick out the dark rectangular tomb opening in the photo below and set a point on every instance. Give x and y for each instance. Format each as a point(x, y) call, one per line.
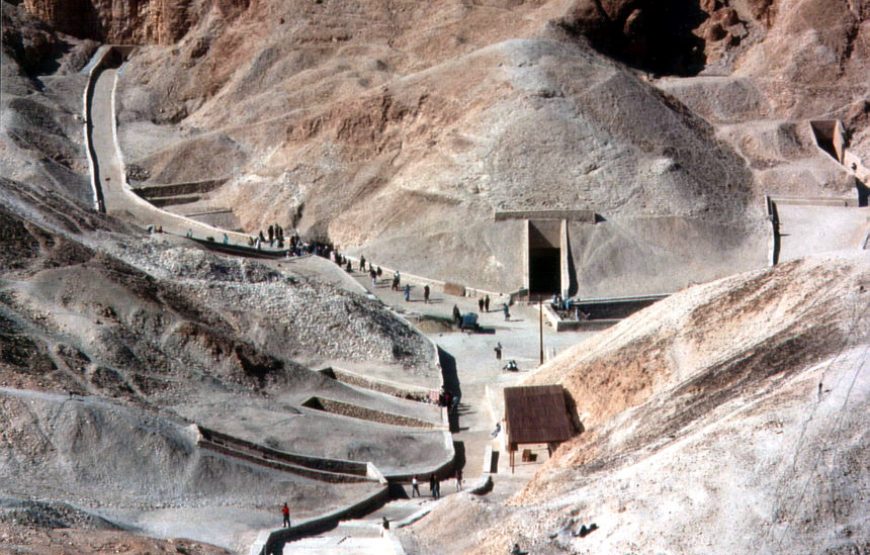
point(544, 274)
point(545, 258)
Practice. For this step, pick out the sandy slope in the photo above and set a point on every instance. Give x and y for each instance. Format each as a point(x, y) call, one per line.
point(730, 418)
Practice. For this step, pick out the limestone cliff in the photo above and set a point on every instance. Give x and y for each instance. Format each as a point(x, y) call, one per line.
point(128, 21)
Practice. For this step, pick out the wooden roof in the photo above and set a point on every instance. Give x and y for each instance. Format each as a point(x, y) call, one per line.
point(536, 414)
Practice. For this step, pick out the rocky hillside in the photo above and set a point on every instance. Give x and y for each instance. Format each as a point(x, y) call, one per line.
point(729, 418)
point(400, 139)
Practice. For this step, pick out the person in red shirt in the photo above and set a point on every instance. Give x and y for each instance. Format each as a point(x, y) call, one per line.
point(285, 510)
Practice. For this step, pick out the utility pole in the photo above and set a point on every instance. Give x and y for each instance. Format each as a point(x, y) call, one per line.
point(541, 326)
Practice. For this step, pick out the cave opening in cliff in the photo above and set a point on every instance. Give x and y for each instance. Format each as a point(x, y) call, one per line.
point(658, 36)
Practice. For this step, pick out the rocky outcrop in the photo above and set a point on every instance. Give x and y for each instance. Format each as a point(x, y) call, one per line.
point(678, 37)
point(128, 21)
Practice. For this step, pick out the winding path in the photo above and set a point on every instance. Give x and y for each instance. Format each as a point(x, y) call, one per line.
point(478, 373)
point(118, 198)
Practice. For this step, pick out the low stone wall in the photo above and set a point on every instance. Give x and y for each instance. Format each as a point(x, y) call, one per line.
point(587, 216)
point(94, 67)
point(341, 466)
point(419, 394)
point(178, 189)
point(162, 202)
point(272, 542)
point(774, 244)
point(420, 280)
point(815, 201)
point(613, 310)
point(364, 413)
point(319, 475)
point(238, 250)
point(225, 219)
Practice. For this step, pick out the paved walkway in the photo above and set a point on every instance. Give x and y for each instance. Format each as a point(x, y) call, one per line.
point(477, 369)
point(481, 380)
point(119, 198)
point(470, 356)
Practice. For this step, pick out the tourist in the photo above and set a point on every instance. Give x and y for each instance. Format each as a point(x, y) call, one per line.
point(285, 510)
point(497, 351)
point(432, 488)
point(507, 312)
point(379, 271)
point(457, 316)
point(271, 235)
point(486, 303)
point(426, 294)
point(362, 263)
point(374, 275)
point(458, 479)
point(407, 292)
point(480, 304)
point(415, 487)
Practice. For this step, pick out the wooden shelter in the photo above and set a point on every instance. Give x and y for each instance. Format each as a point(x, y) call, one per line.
point(536, 414)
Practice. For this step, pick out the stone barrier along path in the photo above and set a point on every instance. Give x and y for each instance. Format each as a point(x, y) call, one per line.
point(110, 176)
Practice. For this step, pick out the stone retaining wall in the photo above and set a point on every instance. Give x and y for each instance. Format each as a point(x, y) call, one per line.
point(272, 542)
point(177, 189)
point(94, 67)
point(401, 391)
point(355, 468)
point(587, 216)
point(259, 460)
point(364, 413)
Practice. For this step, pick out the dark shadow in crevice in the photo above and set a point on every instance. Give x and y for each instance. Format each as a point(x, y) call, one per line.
point(652, 35)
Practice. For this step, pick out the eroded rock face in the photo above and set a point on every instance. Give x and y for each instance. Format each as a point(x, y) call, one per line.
point(128, 21)
point(672, 37)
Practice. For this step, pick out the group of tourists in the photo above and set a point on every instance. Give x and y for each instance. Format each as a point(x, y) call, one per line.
point(435, 485)
point(483, 303)
point(275, 234)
